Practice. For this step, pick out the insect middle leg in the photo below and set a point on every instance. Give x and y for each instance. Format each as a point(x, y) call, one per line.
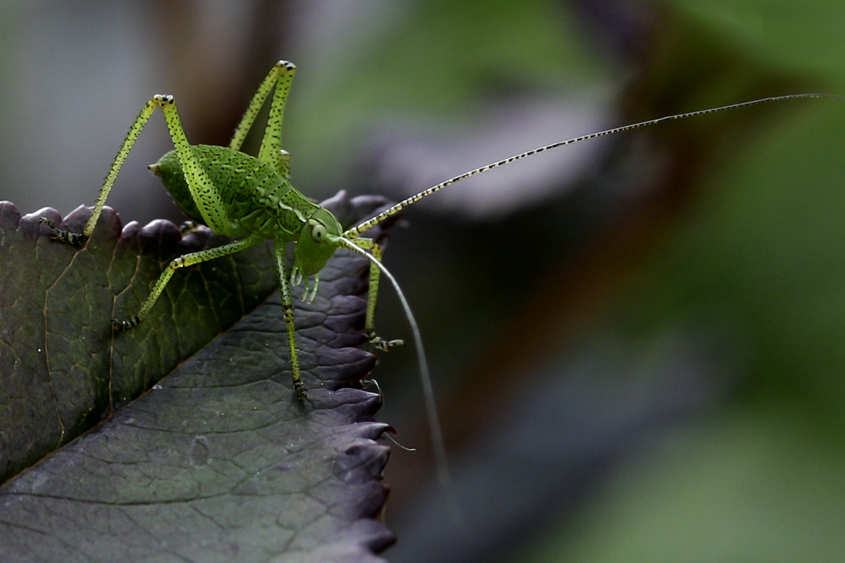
point(287, 308)
point(181, 262)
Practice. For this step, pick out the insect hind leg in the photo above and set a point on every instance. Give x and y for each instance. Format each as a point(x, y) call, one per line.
point(280, 76)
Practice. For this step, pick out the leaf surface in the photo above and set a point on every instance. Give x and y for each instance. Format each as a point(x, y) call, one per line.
point(200, 451)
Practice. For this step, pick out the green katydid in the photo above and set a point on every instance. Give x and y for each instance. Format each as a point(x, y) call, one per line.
point(251, 200)
point(239, 195)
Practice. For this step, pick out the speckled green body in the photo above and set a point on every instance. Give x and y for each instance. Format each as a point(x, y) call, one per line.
point(258, 200)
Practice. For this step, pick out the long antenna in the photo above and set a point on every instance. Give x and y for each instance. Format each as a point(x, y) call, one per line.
point(428, 391)
point(356, 231)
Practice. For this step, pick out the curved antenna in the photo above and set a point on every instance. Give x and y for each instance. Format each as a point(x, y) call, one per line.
point(428, 390)
point(356, 231)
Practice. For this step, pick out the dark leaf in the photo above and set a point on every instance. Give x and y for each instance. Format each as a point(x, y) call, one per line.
point(201, 453)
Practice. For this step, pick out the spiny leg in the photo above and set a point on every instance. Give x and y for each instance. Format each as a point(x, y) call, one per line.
point(287, 308)
point(181, 262)
point(119, 159)
point(203, 192)
point(207, 198)
point(372, 296)
point(271, 145)
point(135, 130)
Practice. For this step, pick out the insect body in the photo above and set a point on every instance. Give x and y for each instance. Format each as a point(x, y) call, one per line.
point(250, 199)
point(239, 195)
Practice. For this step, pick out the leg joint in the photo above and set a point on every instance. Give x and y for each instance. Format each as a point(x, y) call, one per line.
point(176, 263)
point(162, 99)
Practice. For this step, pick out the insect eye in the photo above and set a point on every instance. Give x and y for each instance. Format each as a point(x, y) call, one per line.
point(318, 233)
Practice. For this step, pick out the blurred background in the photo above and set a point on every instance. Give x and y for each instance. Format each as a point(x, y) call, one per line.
point(638, 343)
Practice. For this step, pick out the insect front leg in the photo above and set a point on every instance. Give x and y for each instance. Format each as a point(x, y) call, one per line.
point(287, 308)
point(372, 296)
point(181, 262)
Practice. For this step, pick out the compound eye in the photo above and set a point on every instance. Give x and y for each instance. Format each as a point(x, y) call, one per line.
point(318, 232)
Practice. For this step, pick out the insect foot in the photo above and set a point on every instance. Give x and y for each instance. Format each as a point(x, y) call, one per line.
point(299, 389)
point(74, 239)
point(122, 326)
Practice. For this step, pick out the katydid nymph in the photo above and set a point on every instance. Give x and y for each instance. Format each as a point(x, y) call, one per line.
point(250, 199)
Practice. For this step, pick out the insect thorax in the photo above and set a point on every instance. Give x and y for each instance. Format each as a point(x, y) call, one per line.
point(256, 198)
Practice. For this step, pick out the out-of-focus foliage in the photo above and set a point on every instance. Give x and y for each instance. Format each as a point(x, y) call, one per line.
point(635, 364)
point(758, 256)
